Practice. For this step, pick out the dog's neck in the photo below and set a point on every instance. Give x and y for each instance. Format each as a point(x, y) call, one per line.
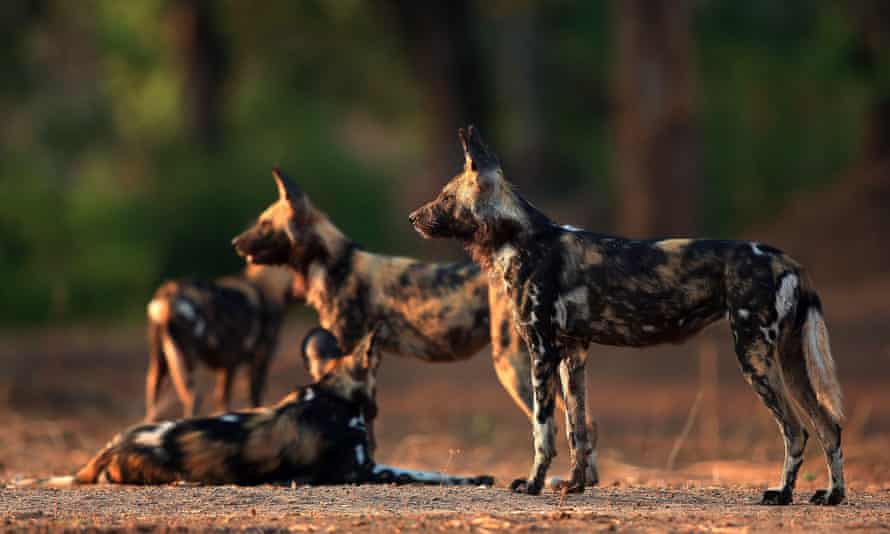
point(350, 391)
point(273, 281)
point(327, 271)
point(516, 229)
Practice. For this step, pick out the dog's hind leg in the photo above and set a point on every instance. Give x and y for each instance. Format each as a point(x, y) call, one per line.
point(259, 368)
point(757, 356)
point(223, 390)
point(157, 370)
point(825, 423)
point(181, 373)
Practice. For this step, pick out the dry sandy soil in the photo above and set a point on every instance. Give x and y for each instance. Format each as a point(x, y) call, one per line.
point(65, 393)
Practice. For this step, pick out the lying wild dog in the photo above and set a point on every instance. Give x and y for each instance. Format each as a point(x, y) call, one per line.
point(224, 323)
point(436, 312)
point(315, 435)
point(569, 288)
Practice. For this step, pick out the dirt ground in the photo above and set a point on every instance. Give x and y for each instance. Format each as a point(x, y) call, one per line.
point(65, 393)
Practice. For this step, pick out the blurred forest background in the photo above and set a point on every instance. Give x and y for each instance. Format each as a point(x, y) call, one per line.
point(138, 136)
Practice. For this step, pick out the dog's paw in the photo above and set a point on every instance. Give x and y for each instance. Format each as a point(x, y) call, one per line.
point(773, 497)
point(528, 487)
point(824, 498)
point(592, 477)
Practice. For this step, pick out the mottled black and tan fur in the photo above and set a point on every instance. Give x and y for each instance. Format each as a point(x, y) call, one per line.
point(569, 288)
point(224, 323)
point(437, 312)
point(315, 435)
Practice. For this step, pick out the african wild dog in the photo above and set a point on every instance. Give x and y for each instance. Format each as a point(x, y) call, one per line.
point(569, 288)
point(315, 435)
point(436, 312)
point(224, 323)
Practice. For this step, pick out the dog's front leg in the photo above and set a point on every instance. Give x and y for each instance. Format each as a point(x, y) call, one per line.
point(545, 361)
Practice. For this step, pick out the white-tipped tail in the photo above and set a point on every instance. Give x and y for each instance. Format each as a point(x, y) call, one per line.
point(159, 310)
point(820, 364)
point(52, 482)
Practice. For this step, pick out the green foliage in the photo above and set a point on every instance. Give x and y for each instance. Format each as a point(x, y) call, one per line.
point(105, 192)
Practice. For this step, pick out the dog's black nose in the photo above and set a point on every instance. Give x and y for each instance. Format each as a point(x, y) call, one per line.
point(412, 217)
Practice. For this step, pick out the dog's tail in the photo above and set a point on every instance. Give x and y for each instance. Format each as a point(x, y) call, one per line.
point(51, 482)
point(817, 350)
point(386, 474)
point(159, 309)
point(94, 472)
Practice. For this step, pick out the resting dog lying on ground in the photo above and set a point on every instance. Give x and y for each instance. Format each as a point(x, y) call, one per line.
point(315, 435)
point(569, 288)
point(224, 323)
point(436, 312)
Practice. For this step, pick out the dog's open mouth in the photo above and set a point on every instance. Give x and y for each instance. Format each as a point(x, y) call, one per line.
point(423, 231)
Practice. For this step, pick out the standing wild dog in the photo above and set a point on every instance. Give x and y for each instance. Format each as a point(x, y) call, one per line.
point(569, 288)
point(437, 312)
point(315, 435)
point(224, 323)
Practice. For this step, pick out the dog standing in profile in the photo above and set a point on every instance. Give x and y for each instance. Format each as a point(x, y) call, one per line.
point(225, 323)
point(436, 312)
point(569, 288)
point(315, 435)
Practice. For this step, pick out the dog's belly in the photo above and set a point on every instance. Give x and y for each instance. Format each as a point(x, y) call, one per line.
point(438, 341)
point(640, 318)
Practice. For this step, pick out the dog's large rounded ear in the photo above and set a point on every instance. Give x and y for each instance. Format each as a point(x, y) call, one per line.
point(289, 191)
point(367, 352)
point(319, 347)
point(477, 156)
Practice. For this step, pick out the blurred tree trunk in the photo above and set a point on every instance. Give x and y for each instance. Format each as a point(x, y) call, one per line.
point(517, 65)
point(443, 50)
point(658, 155)
point(872, 57)
point(202, 52)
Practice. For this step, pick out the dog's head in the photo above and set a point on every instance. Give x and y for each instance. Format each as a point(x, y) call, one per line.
point(474, 201)
point(290, 231)
point(352, 376)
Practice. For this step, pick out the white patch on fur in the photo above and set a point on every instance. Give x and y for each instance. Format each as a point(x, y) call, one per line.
point(743, 313)
point(577, 296)
point(786, 297)
point(158, 310)
point(60, 482)
point(836, 471)
point(419, 476)
point(185, 308)
point(820, 364)
point(308, 394)
point(153, 438)
point(360, 454)
point(357, 422)
point(230, 418)
point(757, 250)
point(316, 295)
point(570, 228)
point(504, 256)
